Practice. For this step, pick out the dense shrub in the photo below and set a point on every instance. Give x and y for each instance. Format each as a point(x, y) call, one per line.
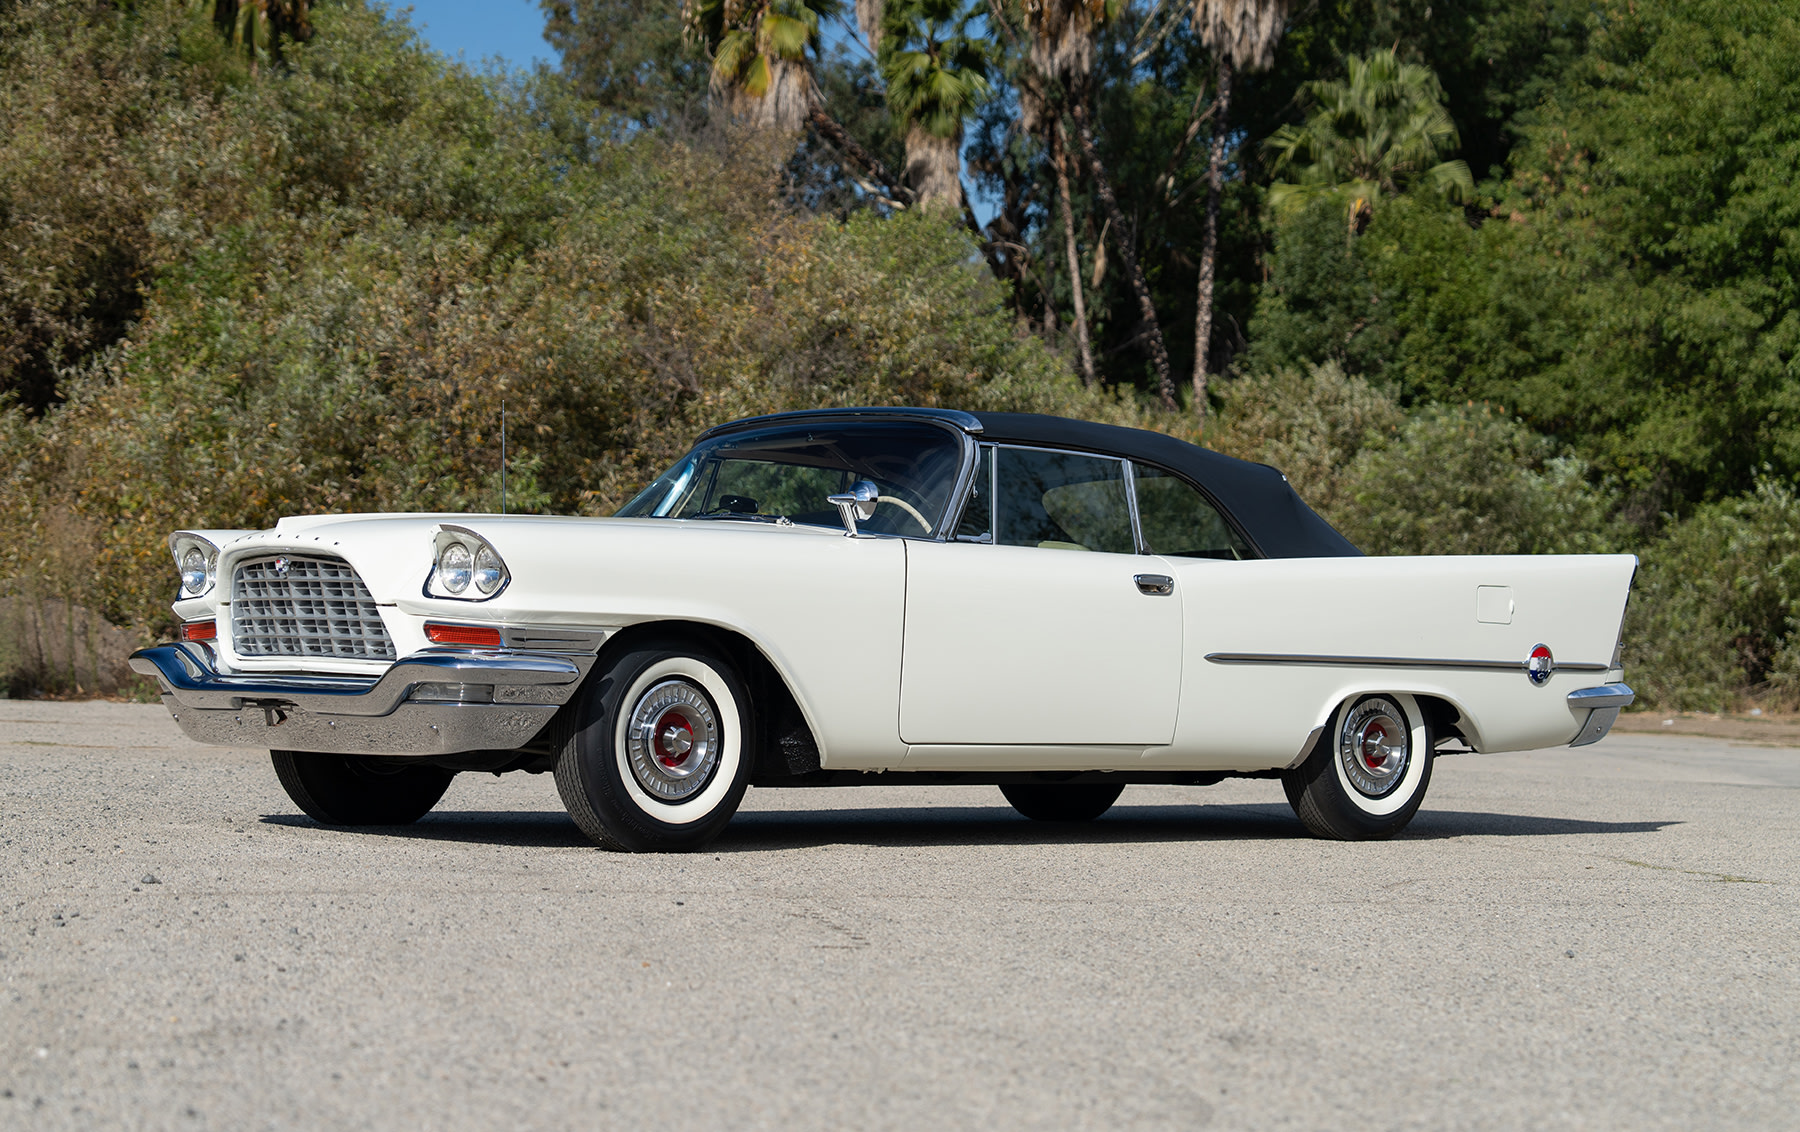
point(394, 248)
point(1311, 422)
point(1468, 479)
point(1717, 605)
point(1464, 479)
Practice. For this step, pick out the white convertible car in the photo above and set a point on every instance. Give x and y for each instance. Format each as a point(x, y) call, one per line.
point(887, 596)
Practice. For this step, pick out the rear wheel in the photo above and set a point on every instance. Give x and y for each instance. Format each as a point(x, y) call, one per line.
point(660, 755)
point(357, 790)
point(1368, 772)
point(1060, 801)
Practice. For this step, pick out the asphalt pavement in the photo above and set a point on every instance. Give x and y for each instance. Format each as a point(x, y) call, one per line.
point(1602, 938)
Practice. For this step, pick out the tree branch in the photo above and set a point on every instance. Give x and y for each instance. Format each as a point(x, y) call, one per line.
point(1159, 354)
point(830, 129)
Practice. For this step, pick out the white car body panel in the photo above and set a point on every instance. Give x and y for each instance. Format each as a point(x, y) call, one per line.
point(1027, 646)
point(1015, 657)
point(826, 611)
point(1243, 715)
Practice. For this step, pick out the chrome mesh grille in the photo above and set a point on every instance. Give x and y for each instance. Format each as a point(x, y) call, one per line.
point(319, 608)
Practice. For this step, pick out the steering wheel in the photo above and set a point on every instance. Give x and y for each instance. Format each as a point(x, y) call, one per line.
point(908, 508)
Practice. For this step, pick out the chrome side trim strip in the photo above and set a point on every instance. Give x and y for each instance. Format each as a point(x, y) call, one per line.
point(1387, 662)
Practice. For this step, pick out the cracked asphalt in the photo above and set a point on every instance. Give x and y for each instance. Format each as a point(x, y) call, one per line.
point(1601, 938)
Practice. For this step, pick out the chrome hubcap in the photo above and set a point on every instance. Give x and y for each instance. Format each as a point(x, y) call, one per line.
point(672, 740)
point(1375, 746)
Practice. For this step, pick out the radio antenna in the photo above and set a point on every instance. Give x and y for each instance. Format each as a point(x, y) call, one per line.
point(503, 457)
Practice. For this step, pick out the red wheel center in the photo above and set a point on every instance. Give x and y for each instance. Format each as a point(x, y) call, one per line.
point(1374, 746)
point(674, 739)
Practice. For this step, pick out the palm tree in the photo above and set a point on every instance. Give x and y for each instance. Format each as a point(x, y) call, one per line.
point(1367, 136)
point(1062, 56)
point(1241, 35)
point(762, 75)
point(936, 74)
point(869, 14)
point(760, 71)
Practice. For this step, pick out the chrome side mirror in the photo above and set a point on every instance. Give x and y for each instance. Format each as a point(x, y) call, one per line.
point(857, 503)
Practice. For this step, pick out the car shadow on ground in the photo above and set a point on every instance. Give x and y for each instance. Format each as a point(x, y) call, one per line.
point(925, 826)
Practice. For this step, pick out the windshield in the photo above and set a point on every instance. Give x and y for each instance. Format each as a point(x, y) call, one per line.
point(786, 471)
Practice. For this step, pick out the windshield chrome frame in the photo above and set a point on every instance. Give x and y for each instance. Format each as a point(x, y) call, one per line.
point(959, 491)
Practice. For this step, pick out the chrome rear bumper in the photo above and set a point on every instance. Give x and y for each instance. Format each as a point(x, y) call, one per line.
point(439, 701)
point(1602, 705)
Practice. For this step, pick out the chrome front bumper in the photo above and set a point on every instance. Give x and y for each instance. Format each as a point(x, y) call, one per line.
point(1602, 705)
point(440, 701)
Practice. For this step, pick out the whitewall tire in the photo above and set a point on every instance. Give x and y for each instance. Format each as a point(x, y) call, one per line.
point(660, 754)
point(1368, 772)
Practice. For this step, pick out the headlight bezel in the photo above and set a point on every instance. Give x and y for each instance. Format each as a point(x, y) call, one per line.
point(181, 545)
point(444, 538)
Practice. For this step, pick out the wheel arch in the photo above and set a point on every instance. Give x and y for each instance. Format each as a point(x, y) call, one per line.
point(779, 710)
point(1445, 716)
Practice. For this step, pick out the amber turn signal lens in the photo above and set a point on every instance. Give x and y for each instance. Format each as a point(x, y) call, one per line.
point(478, 635)
point(199, 630)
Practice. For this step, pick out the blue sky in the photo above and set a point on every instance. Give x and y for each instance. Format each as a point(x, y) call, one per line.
point(481, 29)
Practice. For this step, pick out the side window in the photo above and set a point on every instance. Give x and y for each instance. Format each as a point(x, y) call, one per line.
point(1179, 521)
point(1061, 501)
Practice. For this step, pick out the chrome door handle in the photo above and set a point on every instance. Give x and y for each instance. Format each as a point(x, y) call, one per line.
point(1156, 585)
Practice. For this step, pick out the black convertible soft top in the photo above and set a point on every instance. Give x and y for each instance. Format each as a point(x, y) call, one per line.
point(1276, 520)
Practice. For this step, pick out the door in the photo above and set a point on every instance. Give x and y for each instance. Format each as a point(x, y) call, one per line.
point(1040, 625)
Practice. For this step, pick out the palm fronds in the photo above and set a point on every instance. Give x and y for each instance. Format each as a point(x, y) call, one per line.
point(1368, 135)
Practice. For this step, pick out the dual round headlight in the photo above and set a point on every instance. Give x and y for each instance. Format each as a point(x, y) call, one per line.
point(462, 564)
point(198, 562)
point(194, 572)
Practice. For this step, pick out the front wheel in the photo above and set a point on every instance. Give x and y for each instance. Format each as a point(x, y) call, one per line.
point(660, 756)
point(1367, 775)
point(1061, 801)
point(357, 790)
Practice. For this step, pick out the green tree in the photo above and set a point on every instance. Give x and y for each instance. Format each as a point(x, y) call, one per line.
point(629, 57)
point(1367, 136)
point(1322, 301)
point(1469, 479)
point(346, 263)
